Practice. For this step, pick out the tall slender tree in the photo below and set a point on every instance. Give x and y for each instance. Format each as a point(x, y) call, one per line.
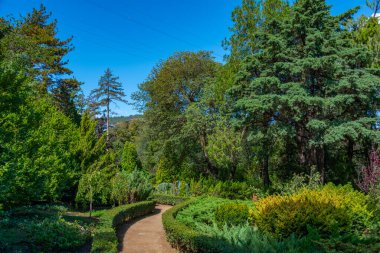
point(109, 91)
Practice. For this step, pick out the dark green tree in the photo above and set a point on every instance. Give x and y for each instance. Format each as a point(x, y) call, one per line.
point(308, 79)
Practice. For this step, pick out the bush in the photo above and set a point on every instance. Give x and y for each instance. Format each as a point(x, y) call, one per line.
point(351, 244)
point(130, 187)
point(202, 210)
point(139, 186)
point(223, 189)
point(193, 235)
point(105, 239)
point(231, 214)
point(298, 182)
point(187, 239)
point(168, 199)
point(56, 235)
point(330, 210)
point(210, 187)
point(247, 239)
point(180, 188)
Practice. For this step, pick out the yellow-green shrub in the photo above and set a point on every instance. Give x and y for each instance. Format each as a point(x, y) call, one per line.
point(331, 209)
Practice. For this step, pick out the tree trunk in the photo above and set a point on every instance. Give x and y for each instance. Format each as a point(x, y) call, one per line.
point(108, 116)
point(320, 159)
point(233, 171)
point(350, 156)
point(265, 170)
point(108, 124)
point(376, 8)
point(90, 201)
point(301, 146)
point(210, 167)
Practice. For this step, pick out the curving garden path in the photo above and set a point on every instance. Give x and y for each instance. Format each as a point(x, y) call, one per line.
point(145, 234)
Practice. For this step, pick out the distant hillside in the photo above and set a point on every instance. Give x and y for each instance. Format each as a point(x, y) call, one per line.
point(116, 119)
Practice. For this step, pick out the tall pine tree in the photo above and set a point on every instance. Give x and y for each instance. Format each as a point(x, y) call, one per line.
point(109, 91)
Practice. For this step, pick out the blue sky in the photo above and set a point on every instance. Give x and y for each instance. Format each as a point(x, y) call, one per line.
point(131, 36)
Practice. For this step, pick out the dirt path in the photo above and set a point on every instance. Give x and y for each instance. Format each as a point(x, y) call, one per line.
point(146, 234)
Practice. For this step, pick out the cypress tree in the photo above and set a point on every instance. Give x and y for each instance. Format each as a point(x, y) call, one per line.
point(130, 160)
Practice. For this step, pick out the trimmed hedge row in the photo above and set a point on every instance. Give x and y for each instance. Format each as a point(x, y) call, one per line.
point(105, 239)
point(186, 239)
point(169, 199)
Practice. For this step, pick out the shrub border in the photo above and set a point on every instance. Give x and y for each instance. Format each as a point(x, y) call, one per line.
point(167, 199)
point(185, 238)
point(105, 238)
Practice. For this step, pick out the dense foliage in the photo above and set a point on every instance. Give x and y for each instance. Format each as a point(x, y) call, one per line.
point(42, 229)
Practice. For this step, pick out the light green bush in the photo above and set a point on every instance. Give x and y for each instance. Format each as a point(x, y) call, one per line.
point(130, 160)
point(202, 210)
point(330, 210)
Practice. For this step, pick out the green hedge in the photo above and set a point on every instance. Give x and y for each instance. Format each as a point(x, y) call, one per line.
point(186, 239)
point(169, 199)
point(105, 239)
